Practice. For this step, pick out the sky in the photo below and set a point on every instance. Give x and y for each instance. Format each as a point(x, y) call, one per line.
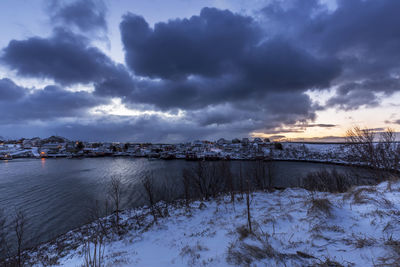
point(179, 70)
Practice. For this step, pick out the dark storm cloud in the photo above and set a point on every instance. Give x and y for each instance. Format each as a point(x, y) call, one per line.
point(362, 34)
point(355, 94)
point(9, 91)
point(216, 43)
point(206, 44)
point(86, 15)
point(217, 58)
point(65, 57)
point(19, 104)
point(228, 74)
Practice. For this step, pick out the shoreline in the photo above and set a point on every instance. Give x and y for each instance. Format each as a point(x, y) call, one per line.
point(340, 201)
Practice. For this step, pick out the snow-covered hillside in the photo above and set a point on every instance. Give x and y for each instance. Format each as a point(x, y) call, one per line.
point(293, 227)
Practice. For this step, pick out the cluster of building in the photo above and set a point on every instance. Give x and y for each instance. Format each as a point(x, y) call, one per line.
point(56, 146)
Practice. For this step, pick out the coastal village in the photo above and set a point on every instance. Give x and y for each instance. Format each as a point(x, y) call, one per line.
point(236, 149)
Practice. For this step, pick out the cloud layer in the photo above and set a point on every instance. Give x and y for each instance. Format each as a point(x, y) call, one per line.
point(218, 72)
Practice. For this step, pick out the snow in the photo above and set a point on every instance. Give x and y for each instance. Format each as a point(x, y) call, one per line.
point(361, 228)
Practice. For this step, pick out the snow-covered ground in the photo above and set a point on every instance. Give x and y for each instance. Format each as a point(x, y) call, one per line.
point(293, 227)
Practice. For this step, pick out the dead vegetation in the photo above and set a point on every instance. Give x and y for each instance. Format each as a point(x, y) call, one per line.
point(320, 207)
point(192, 253)
point(241, 253)
point(360, 195)
point(327, 181)
point(393, 257)
point(363, 241)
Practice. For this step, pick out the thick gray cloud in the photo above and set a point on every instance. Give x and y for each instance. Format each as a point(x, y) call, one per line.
point(207, 44)
point(20, 105)
point(64, 57)
point(227, 73)
point(86, 15)
point(362, 34)
point(68, 59)
point(218, 64)
point(352, 95)
point(9, 91)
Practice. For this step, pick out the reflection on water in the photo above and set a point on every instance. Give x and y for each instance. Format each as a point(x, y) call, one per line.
point(43, 160)
point(56, 194)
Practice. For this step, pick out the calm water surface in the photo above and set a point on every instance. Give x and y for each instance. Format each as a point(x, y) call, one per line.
point(57, 194)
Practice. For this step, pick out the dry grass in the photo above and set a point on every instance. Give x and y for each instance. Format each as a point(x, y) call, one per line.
point(328, 263)
point(320, 206)
point(241, 253)
point(361, 242)
point(359, 195)
point(393, 258)
point(192, 253)
point(327, 181)
point(243, 232)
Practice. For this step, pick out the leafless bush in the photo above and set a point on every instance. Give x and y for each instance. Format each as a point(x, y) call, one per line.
point(270, 174)
point(243, 232)
point(362, 144)
point(327, 262)
point(241, 253)
point(97, 213)
point(392, 258)
point(186, 182)
point(225, 170)
point(258, 172)
point(94, 252)
point(94, 242)
point(19, 228)
point(320, 206)
point(4, 252)
point(360, 242)
point(359, 196)
point(207, 179)
point(327, 181)
point(381, 152)
point(248, 192)
point(115, 194)
point(167, 192)
point(148, 185)
point(193, 252)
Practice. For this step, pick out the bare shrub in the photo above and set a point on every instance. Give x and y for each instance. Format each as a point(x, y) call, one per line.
point(359, 196)
point(378, 153)
point(207, 178)
point(327, 181)
point(93, 251)
point(388, 151)
point(115, 194)
point(186, 182)
point(360, 242)
point(225, 170)
point(320, 206)
point(243, 232)
point(270, 174)
point(327, 262)
point(248, 192)
point(362, 145)
point(241, 253)
point(392, 258)
point(193, 252)
point(4, 252)
point(148, 185)
point(94, 243)
point(258, 172)
point(19, 229)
